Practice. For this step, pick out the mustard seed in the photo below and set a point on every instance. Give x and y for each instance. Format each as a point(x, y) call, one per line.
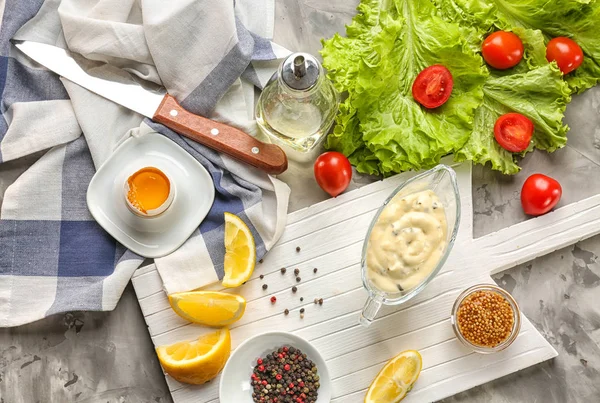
point(485, 318)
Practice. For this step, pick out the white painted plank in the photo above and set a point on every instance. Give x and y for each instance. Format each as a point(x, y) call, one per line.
point(147, 284)
point(155, 303)
point(330, 235)
point(361, 205)
point(262, 308)
point(388, 183)
point(338, 312)
point(326, 264)
point(441, 358)
point(377, 354)
point(143, 270)
point(538, 236)
point(441, 380)
point(343, 199)
point(384, 327)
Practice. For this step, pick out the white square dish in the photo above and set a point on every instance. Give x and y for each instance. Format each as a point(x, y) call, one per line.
point(156, 236)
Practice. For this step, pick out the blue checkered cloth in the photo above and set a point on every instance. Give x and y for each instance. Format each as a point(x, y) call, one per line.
point(53, 256)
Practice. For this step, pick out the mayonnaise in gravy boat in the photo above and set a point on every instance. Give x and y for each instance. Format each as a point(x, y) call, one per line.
point(410, 239)
point(407, 241)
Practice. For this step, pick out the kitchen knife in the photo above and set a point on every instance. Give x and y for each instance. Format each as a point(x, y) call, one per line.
point(158, 105)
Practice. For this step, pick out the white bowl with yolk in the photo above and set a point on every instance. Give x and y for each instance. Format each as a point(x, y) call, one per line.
point(148, 192)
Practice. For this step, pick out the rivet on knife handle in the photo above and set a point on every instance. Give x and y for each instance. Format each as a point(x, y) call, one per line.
point(221, 137)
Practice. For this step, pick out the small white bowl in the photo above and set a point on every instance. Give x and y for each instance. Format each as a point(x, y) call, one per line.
point(235, 384)
point(154, 212)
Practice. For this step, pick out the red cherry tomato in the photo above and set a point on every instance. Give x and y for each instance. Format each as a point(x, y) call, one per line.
point(540, 193)
point(333, 172)
point(433, 86)
point(513, 132)
point(566, 52)
point(502, 50)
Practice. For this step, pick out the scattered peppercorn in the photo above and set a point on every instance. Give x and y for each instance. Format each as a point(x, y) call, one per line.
point(320, 301)
point(286, 312)
point(294, 289)
point(296, 271)
point(262, 276)
point(298, 279)
point(283, 270)
point(301, 299)
point(285, 376)
point(301, 310)
point(315, 270)
point(273, 299)
point(297, 249)
point(485, 318)
point(265, 286)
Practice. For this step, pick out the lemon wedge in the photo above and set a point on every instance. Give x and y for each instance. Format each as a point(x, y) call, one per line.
point(396, 379)
point(209, 308)
point(196, 361)
point(240, 251)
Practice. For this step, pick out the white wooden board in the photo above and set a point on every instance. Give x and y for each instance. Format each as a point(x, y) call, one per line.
point(330, 235)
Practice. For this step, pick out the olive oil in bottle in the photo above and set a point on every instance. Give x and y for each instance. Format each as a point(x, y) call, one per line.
point(298, 105)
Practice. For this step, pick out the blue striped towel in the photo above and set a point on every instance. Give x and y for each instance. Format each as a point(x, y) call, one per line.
point(210, 54)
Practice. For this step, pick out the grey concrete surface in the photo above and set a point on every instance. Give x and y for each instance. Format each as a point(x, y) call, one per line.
point(108, 356)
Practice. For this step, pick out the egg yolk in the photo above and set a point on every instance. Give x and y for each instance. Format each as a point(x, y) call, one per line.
point(148, 189)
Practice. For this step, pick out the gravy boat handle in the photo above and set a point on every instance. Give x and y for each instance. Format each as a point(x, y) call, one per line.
point(370, 311)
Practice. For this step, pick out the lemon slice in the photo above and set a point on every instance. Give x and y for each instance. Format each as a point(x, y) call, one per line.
point(240, 251)
point(396, 379)
point(209, 308)
point(196, 361)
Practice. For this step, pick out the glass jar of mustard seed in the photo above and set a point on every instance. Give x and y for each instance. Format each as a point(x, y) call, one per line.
point(486, 318)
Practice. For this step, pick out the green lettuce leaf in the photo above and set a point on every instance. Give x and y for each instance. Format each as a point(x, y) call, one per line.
point(576, 19)
point(533, 88)
point(383, 130)
point(344, 54)
point(539, 94)
point(476, 18)
point(380, 126)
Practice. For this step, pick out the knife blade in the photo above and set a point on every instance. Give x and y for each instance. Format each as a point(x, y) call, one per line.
point(155, 103)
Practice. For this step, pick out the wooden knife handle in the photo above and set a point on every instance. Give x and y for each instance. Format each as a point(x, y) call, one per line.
point(221, 137)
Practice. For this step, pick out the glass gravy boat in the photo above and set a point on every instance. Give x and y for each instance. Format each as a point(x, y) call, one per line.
point(442, 181)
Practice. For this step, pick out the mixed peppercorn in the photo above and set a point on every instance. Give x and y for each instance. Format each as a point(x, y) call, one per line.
point(485, 318)
point(285, 376)
point(296, 272)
